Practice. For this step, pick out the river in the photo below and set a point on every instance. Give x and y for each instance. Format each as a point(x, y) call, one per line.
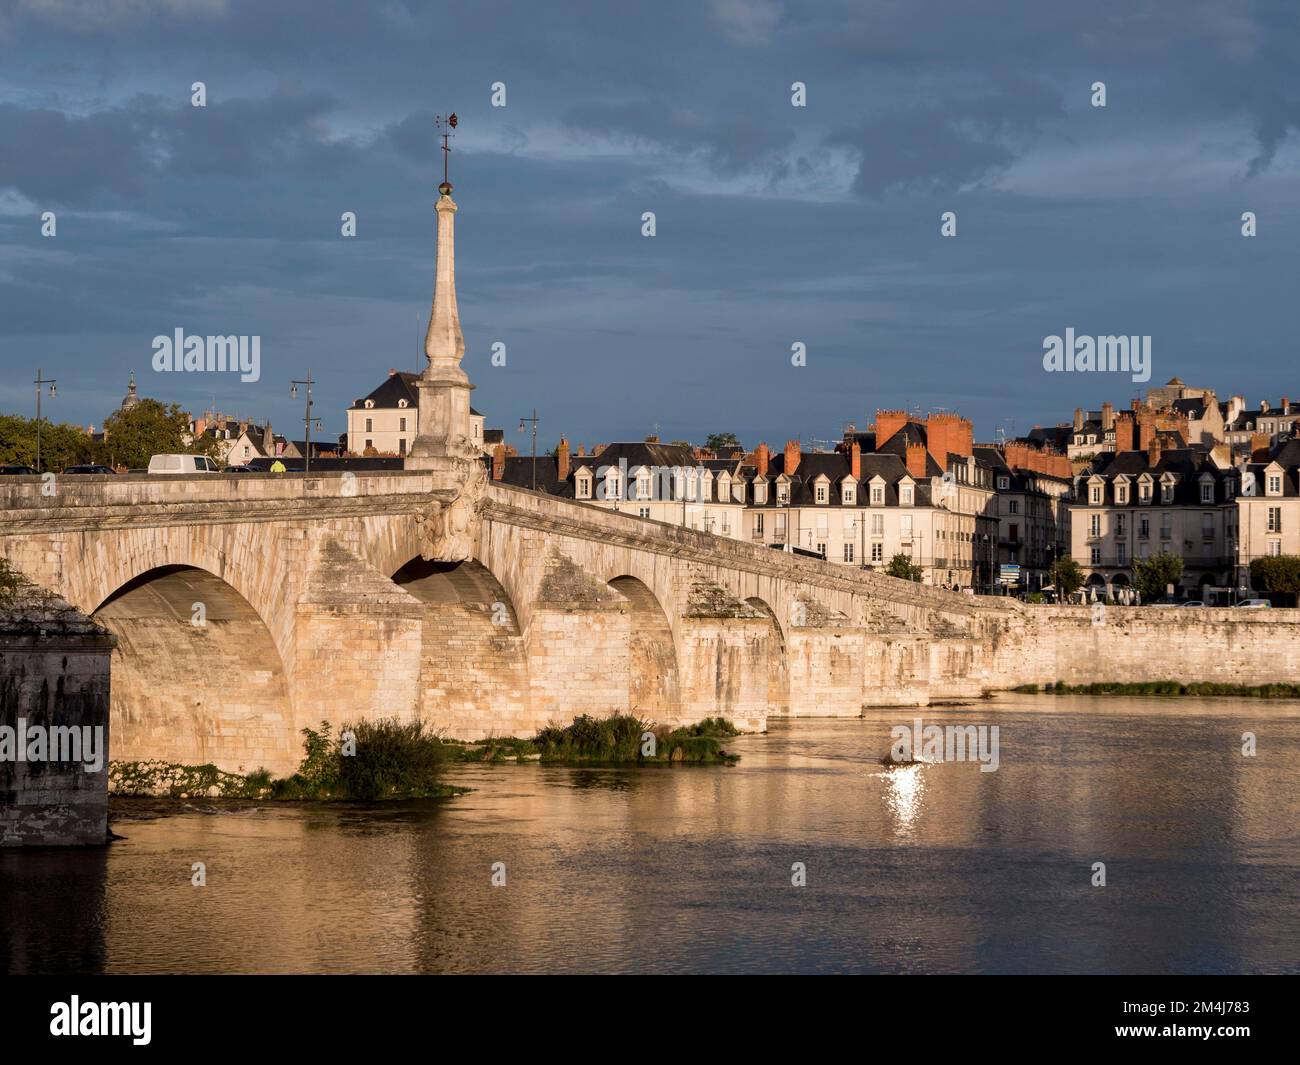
point(933, 868)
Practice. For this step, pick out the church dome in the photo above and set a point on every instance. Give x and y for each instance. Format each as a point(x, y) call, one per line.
point(130, 399)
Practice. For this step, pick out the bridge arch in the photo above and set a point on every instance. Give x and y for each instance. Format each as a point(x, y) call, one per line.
point(473, 663)
point(778, 675)
point(653, 683)
point(197, 676)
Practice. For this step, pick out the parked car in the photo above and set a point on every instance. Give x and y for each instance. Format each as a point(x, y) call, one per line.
point(181, 464)
point(1194, 602)
point(89, 468)
point(1255, 604)
point(239, 469)
point(17, 471)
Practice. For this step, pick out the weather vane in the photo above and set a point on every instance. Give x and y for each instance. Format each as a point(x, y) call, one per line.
point(446, 126)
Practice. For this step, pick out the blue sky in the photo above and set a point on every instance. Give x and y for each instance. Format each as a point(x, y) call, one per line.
point(775, 224)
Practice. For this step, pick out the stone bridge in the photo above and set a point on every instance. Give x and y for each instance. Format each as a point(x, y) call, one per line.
point(249, 606)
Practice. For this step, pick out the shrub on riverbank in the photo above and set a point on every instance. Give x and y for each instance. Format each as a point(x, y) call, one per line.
point(626, 738)
point(1169, 687)
point(373, 760)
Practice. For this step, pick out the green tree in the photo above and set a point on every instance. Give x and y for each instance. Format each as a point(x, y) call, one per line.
point(1153, 575)
point(901, 566)
point(61, 445)
point(717, 440)
point(1067, 575)
point(1278, 573)
point(135, 435)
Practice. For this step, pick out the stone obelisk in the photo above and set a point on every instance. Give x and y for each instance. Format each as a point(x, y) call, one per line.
point(443, 442)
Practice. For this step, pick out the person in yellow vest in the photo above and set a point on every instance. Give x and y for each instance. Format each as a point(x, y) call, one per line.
point(277, 466)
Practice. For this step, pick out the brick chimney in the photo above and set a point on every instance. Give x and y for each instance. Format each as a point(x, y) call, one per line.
point(1078, 418)
point(855, 461)
point(916, 461)
point(582, 450)
point(1286, 404)
point(562, 460)
point(1146, 423)
point(888, 422)
point(948, 434)
point(761, 458)
point(1107, 417)
point(792, 455)
point(1125, 431)
point(652, 439)
point(498, 462)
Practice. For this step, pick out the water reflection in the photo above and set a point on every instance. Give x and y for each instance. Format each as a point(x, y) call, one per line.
point(924, 868)
point(904, 793)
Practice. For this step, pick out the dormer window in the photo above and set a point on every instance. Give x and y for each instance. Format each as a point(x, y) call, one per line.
point(1096, 495)
point(905, 495)
point(584, 485)
point(1167, 492)
point(1275, 484)
point(1121, 492)
point(782, 492)
point(877, 495)
point(1207, 492)
point(1004, 483)
point(821, 493)
point(760, 491)
point(401, 403)
point(643, 484)
point(849, 495)
point(369, 404)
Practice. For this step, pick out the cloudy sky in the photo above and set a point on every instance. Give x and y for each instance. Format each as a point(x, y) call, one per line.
point(775, 224)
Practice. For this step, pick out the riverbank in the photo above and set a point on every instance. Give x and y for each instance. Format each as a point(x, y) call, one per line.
point(387, 760)
point(1166, 688)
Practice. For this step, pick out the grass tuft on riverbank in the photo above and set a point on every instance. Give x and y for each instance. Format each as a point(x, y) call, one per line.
point(621, 739)
point(1167, 687)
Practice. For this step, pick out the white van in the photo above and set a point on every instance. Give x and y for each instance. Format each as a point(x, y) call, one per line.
point(181, 464)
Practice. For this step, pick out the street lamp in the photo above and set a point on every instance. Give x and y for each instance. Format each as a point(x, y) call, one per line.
point(307, 419)
point(53, 392)
point(533, 419)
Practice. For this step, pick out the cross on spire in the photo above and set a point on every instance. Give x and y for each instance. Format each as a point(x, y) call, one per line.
point(446, 127)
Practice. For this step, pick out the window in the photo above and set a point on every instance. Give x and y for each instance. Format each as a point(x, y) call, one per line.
point(401, 403)
point(584, 486)
point(1275, 547)
point(758, 524)
point(1121, 553)
point(1144, 492)
point(1119, 524)
point(1094, 525)
point(370, 428)
point(1014, 535)
point(369, 444)
point(783, 493)
point(643, 511)
point(850, 494)
point(905, 496)
point(1164, 526)
point(1004, 483)
point(877, 525)
point(1207, 526)
point(370, 404)
point(1095, 556)
point(821, 493)
point(401, 424)
point(1096, 493)
point(905, 528)
point(1013, 506)
point(821, 550)
point(1275, 519)
point(877, 552)
point(643, 484)
point(877, 495)
point(1121, 492)
point(401, 446)
point(1274, 484)
point(1207, 492)
point(1144, 528)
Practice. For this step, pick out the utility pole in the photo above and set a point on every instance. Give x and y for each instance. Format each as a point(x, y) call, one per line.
point(53, 392)
point(293, 394)
point(533, 420)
